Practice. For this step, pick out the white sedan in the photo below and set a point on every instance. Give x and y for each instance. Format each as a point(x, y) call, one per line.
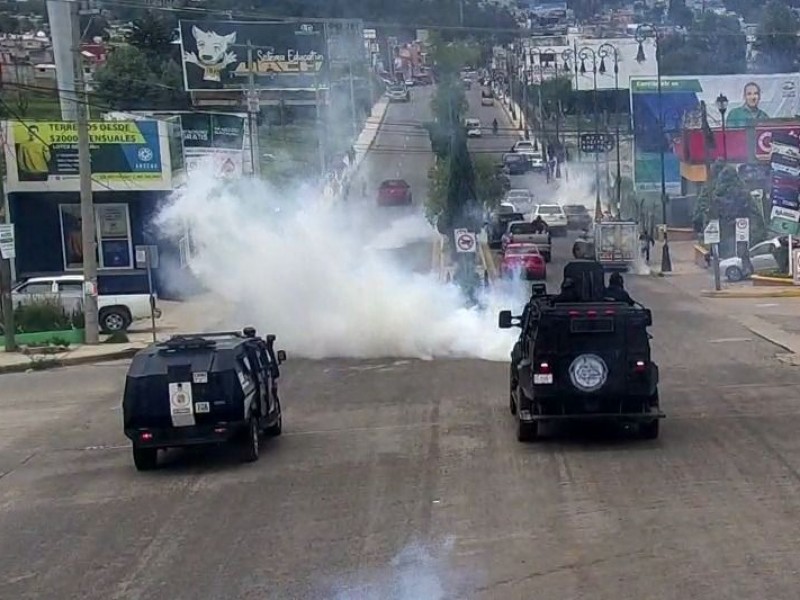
point(761, 257)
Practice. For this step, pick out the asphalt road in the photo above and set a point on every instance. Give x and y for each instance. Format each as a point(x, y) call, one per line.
point(402, 150)
point(402, 479)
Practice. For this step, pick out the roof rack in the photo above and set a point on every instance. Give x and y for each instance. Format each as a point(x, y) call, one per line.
point(186, 341)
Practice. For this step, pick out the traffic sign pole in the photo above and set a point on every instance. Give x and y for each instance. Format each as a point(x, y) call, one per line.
point(711, 236)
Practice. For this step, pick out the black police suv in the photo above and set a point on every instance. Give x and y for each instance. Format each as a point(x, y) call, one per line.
point(204, 388)
point(582, 356)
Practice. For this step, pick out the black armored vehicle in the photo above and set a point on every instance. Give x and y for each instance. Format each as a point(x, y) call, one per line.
point(204, 388)
point(582, 356)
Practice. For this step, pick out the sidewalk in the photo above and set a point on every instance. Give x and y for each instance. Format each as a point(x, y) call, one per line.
point(761, 310)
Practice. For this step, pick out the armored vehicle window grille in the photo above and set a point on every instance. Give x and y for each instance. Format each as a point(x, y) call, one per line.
point(595, 325)
point(178, 343)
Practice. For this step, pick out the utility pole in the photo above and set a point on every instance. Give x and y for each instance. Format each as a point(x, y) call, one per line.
point(253, 108)
point(88, 233)
point(6, 303)
point(353, 115)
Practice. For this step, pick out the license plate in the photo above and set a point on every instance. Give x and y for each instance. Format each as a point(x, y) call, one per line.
point(540, 378)
point(201, 407)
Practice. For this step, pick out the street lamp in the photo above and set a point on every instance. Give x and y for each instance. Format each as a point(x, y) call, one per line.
point(547, 56)
point(644, 32)
point(610, 51)
point(571, 56)
point(585, 54)
point(722, 107)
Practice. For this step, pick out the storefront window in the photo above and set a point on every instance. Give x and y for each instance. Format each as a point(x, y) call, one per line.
point(112, 223)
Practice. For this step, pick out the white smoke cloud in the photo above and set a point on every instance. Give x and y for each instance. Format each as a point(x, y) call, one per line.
point(319, 276)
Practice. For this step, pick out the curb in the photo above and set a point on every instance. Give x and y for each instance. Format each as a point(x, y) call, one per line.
point(67, 361)
point(436, 257)
point(381, 118)
point(488, 260)
point(771, 281)
point(768, 292)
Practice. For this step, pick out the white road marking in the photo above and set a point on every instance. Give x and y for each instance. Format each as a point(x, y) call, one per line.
point(725, 340)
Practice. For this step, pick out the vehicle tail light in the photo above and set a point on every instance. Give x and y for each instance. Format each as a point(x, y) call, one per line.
point(145, 436)
point(544, 368)
point(574, 313)
point(220, 429)
point(591, 313)
point(640, 366)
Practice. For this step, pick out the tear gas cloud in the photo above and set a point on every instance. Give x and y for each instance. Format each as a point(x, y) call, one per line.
point(324, 279)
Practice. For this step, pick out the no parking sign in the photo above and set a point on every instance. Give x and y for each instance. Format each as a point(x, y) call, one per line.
point(466, 241)
point(743, 230)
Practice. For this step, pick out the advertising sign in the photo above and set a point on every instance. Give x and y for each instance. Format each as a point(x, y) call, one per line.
point(43, 156)
point(785, 184)
point(286, 56)
point(743, 230)
point(752, 101)
point(214, 141)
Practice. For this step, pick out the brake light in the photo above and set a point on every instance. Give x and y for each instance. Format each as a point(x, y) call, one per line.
point(544, 368)
point(574, 313)
point(591, 313)
point(145, 436)
point(640, 366)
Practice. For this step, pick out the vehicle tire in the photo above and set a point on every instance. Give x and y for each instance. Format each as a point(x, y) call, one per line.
point(114, 319)
point(250, 443)
point(734, 274)
point(512, 406)
point(547, 258)
point(276, 429)
point(648, 430)
point(527, 432)
point(145, 459)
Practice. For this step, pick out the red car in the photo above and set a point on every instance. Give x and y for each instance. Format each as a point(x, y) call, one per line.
point(394, 192)
point(524, 259)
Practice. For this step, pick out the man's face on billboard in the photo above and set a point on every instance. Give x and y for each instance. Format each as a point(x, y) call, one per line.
point(752, 96)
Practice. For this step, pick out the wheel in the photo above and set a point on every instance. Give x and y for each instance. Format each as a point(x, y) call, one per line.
point(512, 406)
point(527, 432)
point(734, 274)
point(145, 459)
point(275, 430)
point(649, 429)
point(249, 443)
point(114, 319)
point(547, 257)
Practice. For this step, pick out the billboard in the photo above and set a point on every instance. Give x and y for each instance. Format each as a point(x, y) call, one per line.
point(42, 156)
point(286, 56)
point(214, 139)
point(753, 101)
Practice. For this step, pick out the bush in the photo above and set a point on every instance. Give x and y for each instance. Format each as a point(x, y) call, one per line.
point(44, 314)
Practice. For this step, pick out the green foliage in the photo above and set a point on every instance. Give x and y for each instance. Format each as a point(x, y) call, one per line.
point(45, 314)
point(133, 79)
point(715, 45)
point(776, 40)
point(727, 198)
point(679, 14)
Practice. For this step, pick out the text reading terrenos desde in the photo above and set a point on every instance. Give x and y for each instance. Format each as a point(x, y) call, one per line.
point(99, 133)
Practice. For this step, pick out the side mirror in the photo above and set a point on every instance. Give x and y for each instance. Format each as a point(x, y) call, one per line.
point(538, 289)
point(648, 322)
point(281, 354)
point(271, 338)
point(504, 319)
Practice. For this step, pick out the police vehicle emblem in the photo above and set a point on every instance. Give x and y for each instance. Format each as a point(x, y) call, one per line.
point(588, 372)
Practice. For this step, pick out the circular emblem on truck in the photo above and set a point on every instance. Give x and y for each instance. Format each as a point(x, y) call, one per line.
point(588, 372)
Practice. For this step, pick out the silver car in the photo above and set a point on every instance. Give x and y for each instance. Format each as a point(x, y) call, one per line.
point(761, 257)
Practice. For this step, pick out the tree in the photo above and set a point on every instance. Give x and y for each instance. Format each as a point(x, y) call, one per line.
point(714, 45)
point(679, 14)
point(127, 81)
point(776, 39)
point(153, 35)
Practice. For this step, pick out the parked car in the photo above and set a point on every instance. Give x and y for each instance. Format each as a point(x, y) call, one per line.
point(487, 97)
point(394, 192)
point(536, 160)
point(515, 164)
point(578, 216)
point(116, 311)
point(761, 257)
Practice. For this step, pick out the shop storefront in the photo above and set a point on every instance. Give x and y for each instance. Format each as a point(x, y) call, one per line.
point(135, 167)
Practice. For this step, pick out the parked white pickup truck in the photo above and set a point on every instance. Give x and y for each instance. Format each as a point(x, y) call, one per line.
point(116, 311)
